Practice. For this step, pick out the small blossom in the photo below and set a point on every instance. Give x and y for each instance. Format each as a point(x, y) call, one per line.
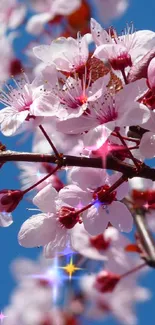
point(132, 45)
point(48, 12)
point(95, 184)
point(52, 228)
point(108, 111)
point(68, 54)
point(9, 199)
point(22, 104)
point(106, 281)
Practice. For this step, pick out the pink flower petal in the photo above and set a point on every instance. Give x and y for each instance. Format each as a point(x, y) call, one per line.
point(58, 244)
point(73, 195)
point(11, 120)
point(95, 220)
point(45, 199)
point(147, 145)
point(88, 177)
point(123, 189)
point(37, 230)
point(120, 217)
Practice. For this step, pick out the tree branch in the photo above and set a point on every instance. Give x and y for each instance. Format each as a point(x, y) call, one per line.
point(145, 238)
point(111, 162)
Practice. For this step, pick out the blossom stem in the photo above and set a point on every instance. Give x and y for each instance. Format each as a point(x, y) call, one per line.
point(135, 269)
point(49, 141)
point(131, 155)
point(127, 138)
point(41, 180)
point(124, 76)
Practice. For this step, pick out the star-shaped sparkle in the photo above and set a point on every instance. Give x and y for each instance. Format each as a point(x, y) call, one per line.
point(70, 268)
point(2, 316)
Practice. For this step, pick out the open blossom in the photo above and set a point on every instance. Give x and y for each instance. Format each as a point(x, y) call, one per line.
point(12, 13)
point(101, 247)
point(95, 183)
point(121, 51)
point(72, 98)
point(68, 54)
point(51, 228)
point(31, 301)
point(107, 112)
point(22, 104)
point(119, 303)
point(48, 11)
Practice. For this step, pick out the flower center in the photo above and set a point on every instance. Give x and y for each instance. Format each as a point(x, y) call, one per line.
point(122, 61)
point(101, 191)
point(68, 217)
point(99, 242)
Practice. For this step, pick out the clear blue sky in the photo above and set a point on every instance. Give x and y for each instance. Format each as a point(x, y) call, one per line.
point(142, 14)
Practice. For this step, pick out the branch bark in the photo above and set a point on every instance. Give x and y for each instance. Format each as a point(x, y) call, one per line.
point(110, 162)
point(146, 239)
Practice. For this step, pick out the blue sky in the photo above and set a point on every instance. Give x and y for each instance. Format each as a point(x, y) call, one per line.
point(141, 13)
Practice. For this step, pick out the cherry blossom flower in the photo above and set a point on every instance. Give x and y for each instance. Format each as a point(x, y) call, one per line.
point(121, 50)
point(31, 305)
point(21, 104)
point(51, 228)
point(49, 10)
point(109, 111)
point(72, 99)
point(97, 217)
point(101, 247)
point(110, 10)
point(12, 13)
point(68, 54)
point(119, 303)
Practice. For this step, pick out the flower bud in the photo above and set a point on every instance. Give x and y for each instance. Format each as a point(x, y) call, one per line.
point(121, 61)
point(9, 199)
point(68, 217)
point(106, 281)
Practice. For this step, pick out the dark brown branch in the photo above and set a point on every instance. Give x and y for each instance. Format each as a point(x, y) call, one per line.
point(111, 162)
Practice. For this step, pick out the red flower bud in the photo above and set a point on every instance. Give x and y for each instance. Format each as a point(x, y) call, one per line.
point(99, 242)
point(106, 281)
point(9, 199)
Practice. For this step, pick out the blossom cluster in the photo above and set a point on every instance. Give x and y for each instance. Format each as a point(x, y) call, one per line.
point(87, 95)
